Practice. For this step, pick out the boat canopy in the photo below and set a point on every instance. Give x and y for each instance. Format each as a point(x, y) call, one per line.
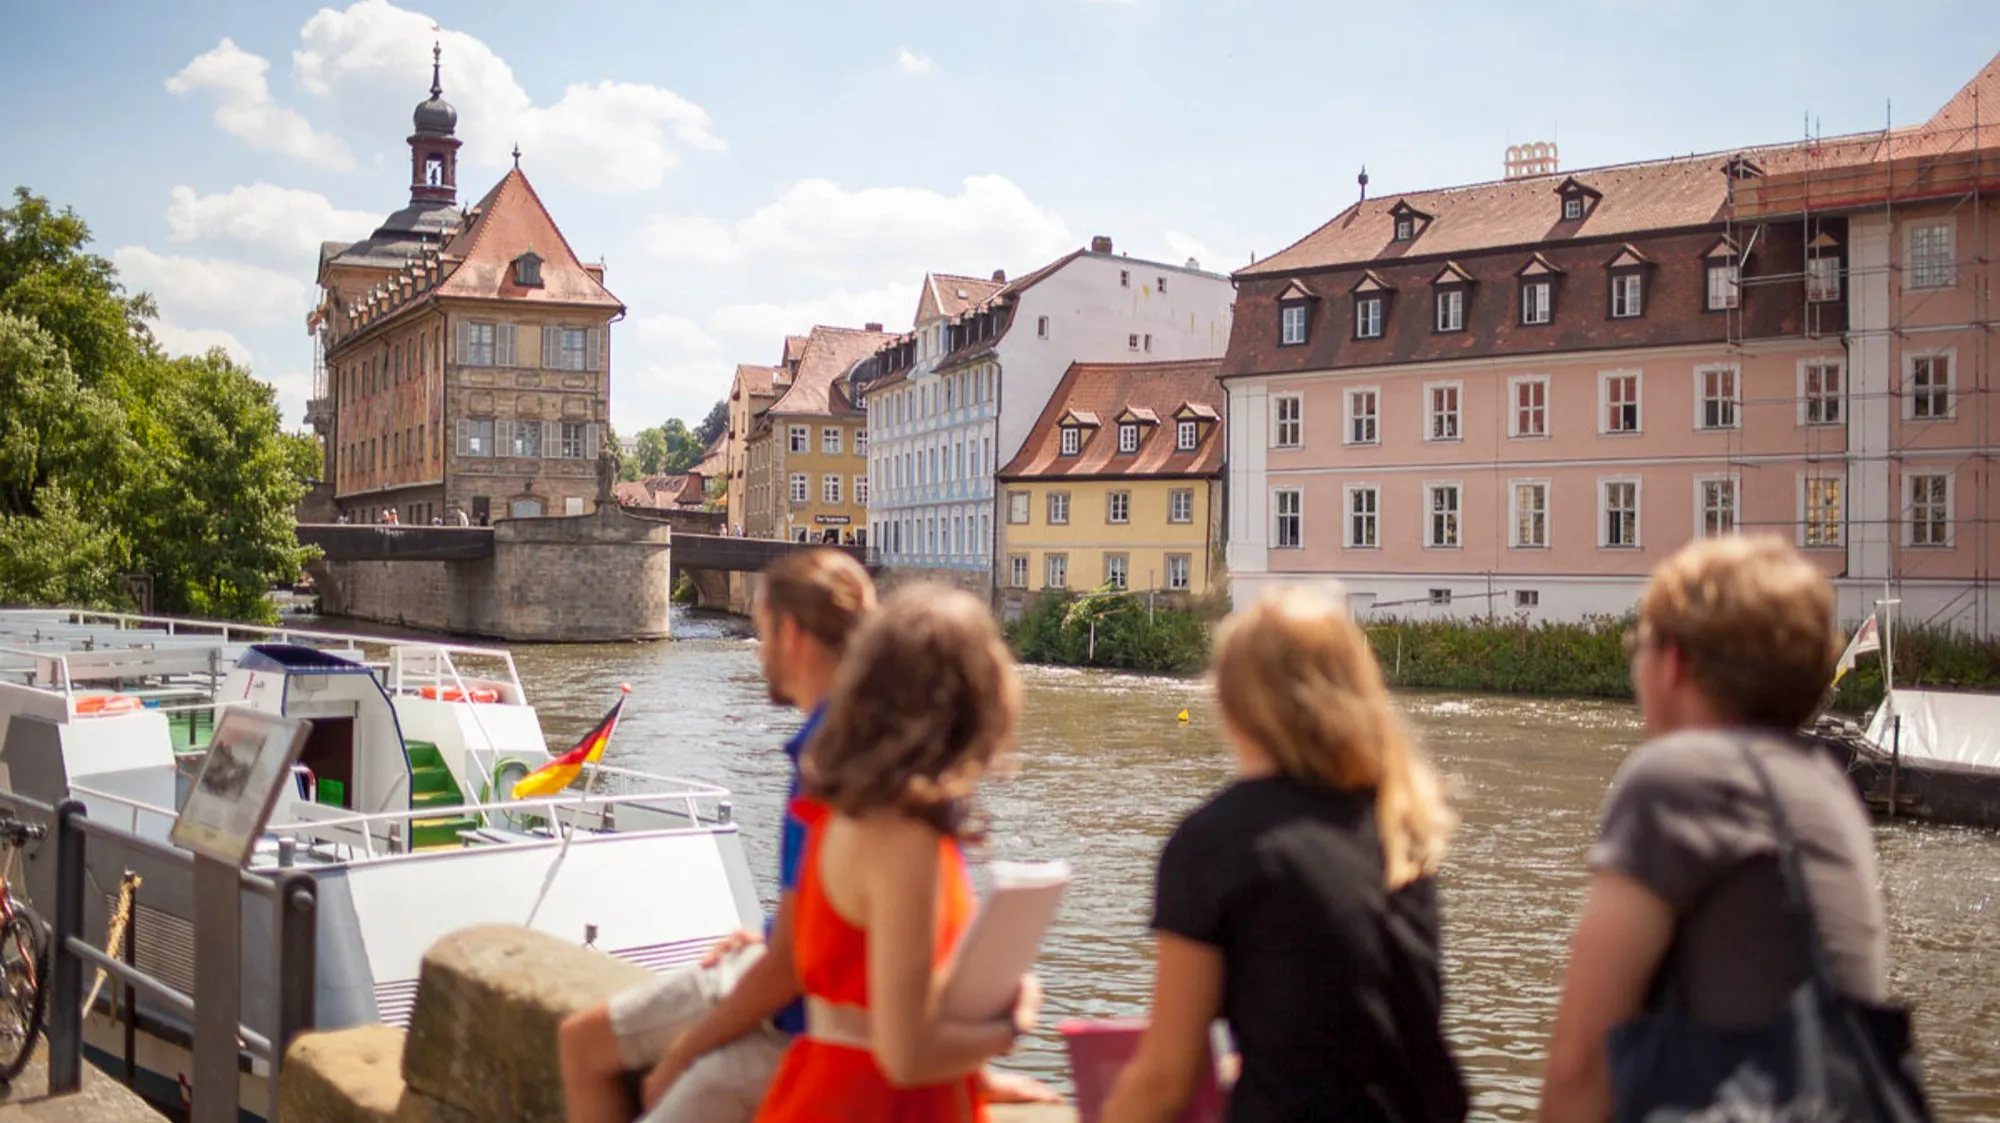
point(1941, 725)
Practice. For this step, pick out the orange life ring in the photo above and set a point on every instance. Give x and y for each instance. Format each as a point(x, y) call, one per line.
point(454, 694)
point(94, 705)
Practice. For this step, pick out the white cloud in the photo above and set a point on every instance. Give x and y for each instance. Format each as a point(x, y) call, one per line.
point(765, 324)
point(878, 231)
point(911, 63)
point(690, 238)
point(176, 340)
point(605, 135)
point(212, 286)
point(677, 333)
point(281, 220)
point(683, 388)
point(244, 107)
point(1187, 246)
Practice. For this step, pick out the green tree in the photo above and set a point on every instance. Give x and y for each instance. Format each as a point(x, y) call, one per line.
point(714, 424)
point(46, 276)
point(650, 451)
point(683, 450)
point(62, 556)
point(53, 431)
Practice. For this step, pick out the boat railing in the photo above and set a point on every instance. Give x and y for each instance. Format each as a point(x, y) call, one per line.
point(412, 668)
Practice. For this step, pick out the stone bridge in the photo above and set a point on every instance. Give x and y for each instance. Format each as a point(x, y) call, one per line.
point(370, 542)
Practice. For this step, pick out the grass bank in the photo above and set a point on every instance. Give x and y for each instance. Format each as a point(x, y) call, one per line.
point(1118, 631)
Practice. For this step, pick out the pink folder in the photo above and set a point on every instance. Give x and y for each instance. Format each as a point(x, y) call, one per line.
point(1099, 1048)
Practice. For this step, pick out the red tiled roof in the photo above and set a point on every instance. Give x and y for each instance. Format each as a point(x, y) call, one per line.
point(758, 381)
point(953, 295)
point(795, 346)
point(508, 222)
point(678, 490)
point(1108, 389)
point(1006, 293)
point(828, 354)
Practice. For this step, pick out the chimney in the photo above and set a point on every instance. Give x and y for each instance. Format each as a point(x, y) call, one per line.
point(871, 327)
point(999, 276)
point(1539, 158)
point(1100, 244)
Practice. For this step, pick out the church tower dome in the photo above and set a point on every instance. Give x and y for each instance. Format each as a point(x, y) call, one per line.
point(433, 145)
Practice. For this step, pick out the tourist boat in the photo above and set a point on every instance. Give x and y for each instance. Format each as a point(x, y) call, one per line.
point(400, 808)
point(1932, 755)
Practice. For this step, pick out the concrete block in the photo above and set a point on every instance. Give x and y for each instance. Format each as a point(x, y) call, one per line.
point(483, 1034)
point(343, 1076)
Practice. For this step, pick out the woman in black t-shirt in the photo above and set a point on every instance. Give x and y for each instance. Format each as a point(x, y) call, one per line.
point(1298, 903)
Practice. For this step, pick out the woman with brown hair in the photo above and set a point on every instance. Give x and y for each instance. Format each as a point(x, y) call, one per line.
point(1298, 904)
point(924, 702)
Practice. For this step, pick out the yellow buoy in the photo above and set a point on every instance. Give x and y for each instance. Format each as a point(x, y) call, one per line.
point(1183, 716)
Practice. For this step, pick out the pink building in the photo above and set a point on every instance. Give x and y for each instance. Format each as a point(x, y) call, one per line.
point(1520, 396)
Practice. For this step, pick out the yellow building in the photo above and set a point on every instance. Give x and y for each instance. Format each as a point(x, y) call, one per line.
point(807, 456)
point(1119, 483)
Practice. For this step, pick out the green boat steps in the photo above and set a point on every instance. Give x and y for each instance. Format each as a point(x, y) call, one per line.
point(432, 785)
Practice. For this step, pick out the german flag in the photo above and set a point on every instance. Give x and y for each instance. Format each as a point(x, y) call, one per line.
point(559, 773)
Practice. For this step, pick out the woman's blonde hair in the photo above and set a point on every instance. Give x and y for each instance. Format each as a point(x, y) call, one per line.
point(1296, 678)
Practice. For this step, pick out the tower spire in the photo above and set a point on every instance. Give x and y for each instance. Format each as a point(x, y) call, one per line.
point(437, 61)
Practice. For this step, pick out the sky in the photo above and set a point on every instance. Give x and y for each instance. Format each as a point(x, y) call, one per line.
point(749, 169)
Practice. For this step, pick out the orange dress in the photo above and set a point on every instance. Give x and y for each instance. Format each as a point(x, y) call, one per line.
point(825, 1082)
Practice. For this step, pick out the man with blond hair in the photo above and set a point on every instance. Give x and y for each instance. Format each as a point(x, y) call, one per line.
point(1734, 645)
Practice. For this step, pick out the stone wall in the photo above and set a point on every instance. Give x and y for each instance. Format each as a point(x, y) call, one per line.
point(481, 1047)
point(978, 582)
point(588, 578)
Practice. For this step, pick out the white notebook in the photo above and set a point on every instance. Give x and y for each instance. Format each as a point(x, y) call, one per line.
point(1004, 939)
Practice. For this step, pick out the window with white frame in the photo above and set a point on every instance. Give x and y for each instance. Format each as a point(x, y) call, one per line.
point(1292, 321)
point(1116, 568)
point(1824, 511)
point(1118, 507)
point(801, 487)
point(861, 491)
point(1715, 506)
point(1180, 505)
point(1187, 434)
point(1441, 411)
point(573, 348)
point(1717, 397)
point(1125, 278)
point(1451, 310)
point(1618, 501)
point(1536, 307)
point(1058, 508)
point(1072, 440)
point(1128, 438)
point(1530, 500)
point(1287, 420)
point(1930, 509)
point(1931, 262)
point(830, 441)
point(1362, 407)
point(1628, 295)
point(1619, 392)
point(1572, 208)
point(1929, 398)
point(1017, 571)
point(1055, 571)
point(1132, 342)
point(800, 437)
point(479, 347)
point(1017, 507)
point(1364, 514)
point(1822, 278)
point(1725, 285)
point(1530, 415)
point(1442, 511)
point(1368, 317)
point(1820, 386)
point(1180, 568)
point(829, 488)
point(1287, 518)
point(861, 442)
point(527, 440)
point(478, 436)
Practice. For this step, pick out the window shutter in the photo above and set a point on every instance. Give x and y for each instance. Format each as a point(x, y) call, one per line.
point(592, 441)
point(551, 348)
point(551, 440)
point(593, 346)
point(503, 345)
point(503, 438)
point(464, 344)
point(464, 425)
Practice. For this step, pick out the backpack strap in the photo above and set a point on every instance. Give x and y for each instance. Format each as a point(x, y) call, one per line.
point(1798, 897)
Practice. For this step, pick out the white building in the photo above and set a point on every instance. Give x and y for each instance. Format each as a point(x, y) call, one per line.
point(953, 400)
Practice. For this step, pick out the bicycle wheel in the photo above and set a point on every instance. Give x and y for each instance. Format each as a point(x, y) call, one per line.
point(24, 959)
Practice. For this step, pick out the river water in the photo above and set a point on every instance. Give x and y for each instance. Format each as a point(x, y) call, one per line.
point(1107, 771)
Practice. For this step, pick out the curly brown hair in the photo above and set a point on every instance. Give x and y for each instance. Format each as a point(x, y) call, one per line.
point(925, 701)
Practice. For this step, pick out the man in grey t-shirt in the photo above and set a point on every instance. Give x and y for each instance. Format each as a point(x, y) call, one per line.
point(1734, 646)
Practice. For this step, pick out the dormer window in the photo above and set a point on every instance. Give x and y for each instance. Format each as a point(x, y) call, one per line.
point(1538, 290)
point(1187, 434)
point(1450, 286)
point(1577, 199)
point(1371, 305)
point(1410, 221)
point(1294, 314)
point(1628, 284)
point(1724, 289)
point(528, 270)
point(1823, 269)
point(1072, 440)
point(1128, 437)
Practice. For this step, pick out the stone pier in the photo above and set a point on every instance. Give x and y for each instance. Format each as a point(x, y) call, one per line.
point(482, 1040)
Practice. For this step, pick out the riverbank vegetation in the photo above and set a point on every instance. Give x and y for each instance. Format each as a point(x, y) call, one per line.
point(120, 466)
point(1111, 629)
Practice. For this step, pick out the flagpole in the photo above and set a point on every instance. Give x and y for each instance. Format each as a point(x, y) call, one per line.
point(1887, 607)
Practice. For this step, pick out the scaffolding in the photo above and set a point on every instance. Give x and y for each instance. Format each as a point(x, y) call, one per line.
point(1948, 167)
